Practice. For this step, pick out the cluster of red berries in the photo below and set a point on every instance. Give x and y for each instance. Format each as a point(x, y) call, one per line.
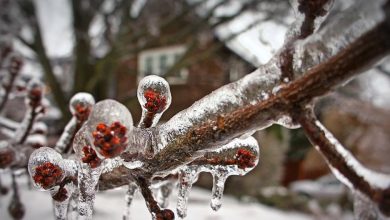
point(82, 112)
point(155, 102)
point(90, 157)
point(7, 156)
point(245, 158)
point(61, 195)
point(47, 175)
point(111, 140)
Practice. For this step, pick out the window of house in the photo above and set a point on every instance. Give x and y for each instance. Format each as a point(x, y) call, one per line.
point(158, 61)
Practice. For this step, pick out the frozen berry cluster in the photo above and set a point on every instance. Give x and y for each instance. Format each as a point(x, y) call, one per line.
point(47, 175)
point(155, 102)
point(90, 157)
point(245, 159)
point(110, 141)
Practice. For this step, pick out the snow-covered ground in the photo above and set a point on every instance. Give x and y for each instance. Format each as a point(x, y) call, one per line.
point(110, 205)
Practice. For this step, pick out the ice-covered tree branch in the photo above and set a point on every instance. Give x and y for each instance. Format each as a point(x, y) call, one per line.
point(213, 135)
point(343, 164)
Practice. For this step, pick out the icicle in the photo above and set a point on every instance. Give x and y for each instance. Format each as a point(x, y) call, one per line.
point(219, 178)
point(72, 207)
point(163, 192)
point(236, 158)
point(132, 188)
point(154, 96)
point(187, 177)
point(87, 183)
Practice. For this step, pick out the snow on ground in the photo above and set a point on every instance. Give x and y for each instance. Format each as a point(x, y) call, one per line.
point(110, 205)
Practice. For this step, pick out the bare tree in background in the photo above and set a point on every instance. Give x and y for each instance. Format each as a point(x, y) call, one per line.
point(125, 35)
point(214, 135)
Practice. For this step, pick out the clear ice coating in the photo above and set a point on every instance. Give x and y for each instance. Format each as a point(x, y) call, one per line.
point(131, 190)
point(236, 158)
point(225, 100)
point(87, 183)
point(108, 114)
point(154, 96)
point(337, 34)
point(41, 156)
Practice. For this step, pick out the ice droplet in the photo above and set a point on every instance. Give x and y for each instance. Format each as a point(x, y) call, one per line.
point(45, 158)
point(81, 105)
point(110, 123)
point(81, 100)
point(132, 188)
point(154, 97)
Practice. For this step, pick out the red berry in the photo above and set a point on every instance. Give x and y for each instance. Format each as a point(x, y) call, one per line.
point(110, 141)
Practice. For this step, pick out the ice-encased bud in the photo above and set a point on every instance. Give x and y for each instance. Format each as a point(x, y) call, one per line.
point(34, 92)
point(154, 94)
point(81, 105)
point(7, 155)
point(108, 127)
point(45, 168)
